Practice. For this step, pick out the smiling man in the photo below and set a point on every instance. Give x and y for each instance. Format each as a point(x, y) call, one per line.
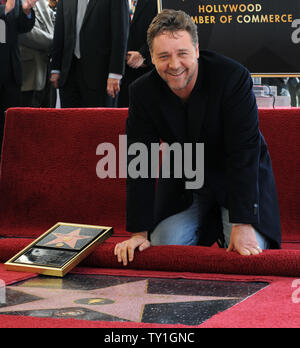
point(176, 61)
point(196, 96)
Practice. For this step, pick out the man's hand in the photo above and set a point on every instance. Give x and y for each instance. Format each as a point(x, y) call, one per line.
point(243, 240)
point(125, 250)
point(10, 5)
point(28, 5)
point(54, 79)
point(113, 87)
point(134, 59)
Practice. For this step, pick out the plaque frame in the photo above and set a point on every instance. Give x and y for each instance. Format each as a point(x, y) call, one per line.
point(57, 260)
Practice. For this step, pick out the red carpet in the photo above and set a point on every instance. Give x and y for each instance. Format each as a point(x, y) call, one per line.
point(13, 277)
point(48, 169)
point(281, 129)
point(48, 174)
point(272, 307)
point(184, 259)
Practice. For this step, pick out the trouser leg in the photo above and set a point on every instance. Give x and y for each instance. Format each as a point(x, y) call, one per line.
point(183, 228)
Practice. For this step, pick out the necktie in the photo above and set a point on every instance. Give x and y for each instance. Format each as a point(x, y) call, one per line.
point(81, 9)
point(132, 8)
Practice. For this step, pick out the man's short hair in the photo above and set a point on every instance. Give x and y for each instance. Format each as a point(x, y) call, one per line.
point(171, 21)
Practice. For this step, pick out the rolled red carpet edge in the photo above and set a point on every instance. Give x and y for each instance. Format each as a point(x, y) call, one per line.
point(174, 258)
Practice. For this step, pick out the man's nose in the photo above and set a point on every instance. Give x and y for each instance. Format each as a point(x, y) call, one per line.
point(174, 63)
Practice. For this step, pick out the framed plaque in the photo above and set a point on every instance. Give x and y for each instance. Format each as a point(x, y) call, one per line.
point(59, 249)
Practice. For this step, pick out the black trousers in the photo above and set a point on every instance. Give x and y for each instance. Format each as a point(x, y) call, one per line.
point(76, 94)
point(10, 96)
point(45, 98)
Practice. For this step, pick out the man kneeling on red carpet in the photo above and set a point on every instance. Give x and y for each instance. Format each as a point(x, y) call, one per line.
point(197, 96)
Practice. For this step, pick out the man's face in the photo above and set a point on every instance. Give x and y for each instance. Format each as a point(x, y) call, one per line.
point(176, 61)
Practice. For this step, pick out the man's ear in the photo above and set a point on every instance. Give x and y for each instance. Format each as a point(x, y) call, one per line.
point(152, 59)
point(197, 50)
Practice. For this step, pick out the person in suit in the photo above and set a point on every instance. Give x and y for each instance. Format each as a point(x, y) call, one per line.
point(17, 17)
point(195, 96)
point(294, 89)
point(35, 48)
point(89, 49)
point(138, 60)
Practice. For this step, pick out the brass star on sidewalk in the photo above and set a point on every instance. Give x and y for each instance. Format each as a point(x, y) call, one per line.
point(126, 301)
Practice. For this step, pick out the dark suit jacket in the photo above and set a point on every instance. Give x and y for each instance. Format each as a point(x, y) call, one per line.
point(16, 23)
point(103, 39)
point(221, 113)
point(145, 11)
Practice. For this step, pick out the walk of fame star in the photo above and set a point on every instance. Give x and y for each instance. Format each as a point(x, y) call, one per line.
point(122, 302)
point(70, 239)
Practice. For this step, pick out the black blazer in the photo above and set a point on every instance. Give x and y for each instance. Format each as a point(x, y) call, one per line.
point(103, 39)
point(16, 23)
point(145, 11)
point(221, 113)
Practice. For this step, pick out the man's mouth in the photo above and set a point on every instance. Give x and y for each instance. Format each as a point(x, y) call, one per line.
point(176, 73)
